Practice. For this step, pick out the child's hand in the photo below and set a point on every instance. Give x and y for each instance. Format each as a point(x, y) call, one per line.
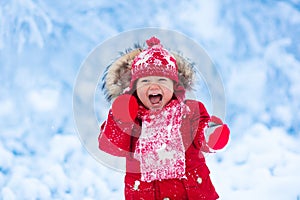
point(216, 133)
point(125, 108)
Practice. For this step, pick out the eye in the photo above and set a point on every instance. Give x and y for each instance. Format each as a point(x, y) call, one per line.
point(162, 80)
point(144, 80)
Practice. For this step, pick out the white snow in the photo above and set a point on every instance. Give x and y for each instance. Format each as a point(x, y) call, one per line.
point(43, 100)
point(255, 46)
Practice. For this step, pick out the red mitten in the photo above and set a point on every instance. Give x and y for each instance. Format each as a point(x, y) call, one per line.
point(125, 108)
point(217, 133)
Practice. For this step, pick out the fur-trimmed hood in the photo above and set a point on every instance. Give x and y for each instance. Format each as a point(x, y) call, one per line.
point(117, 76)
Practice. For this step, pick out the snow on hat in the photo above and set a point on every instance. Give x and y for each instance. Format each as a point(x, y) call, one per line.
point(117, 78)
point(154, 61)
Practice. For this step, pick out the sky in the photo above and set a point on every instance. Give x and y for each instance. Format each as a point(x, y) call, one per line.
point(43, 48)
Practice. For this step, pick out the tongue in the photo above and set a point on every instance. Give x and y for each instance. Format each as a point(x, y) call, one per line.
point(155, 99)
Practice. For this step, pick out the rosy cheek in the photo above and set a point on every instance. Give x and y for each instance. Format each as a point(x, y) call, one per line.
point(142, 96)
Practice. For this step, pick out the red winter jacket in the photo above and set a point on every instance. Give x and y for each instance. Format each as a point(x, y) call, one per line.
point(198, 184)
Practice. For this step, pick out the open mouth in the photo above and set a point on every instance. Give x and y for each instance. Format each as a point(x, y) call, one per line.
point(155, 98)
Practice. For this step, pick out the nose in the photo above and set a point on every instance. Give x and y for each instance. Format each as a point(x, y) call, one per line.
point(154, 86)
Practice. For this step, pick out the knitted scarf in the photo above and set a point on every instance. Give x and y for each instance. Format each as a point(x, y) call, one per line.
point(160, 147)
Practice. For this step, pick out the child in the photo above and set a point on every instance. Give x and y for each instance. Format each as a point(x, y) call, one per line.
point(161, 134)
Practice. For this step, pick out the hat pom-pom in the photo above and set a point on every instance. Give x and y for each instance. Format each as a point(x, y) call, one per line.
point(153, 41)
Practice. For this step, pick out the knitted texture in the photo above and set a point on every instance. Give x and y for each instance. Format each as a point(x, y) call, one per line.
point(154, 61)
point(160, 148)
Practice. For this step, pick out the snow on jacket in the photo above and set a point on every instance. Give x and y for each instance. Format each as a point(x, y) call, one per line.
point(197, 185)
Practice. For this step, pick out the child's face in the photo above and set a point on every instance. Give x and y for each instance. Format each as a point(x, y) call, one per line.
point(155, 91)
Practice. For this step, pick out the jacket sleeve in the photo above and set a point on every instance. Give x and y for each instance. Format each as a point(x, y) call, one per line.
point(114, 137)
point(199, 119)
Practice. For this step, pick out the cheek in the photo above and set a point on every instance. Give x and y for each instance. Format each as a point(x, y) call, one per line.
point(169, 88)
point(141, 93)
point(168, 94)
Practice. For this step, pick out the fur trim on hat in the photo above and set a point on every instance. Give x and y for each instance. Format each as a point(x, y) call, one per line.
point(117, 76)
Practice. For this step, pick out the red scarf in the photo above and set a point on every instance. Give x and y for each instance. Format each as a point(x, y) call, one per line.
point(160, 148)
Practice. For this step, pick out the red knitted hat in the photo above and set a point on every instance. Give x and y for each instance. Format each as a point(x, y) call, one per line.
point(154, 61)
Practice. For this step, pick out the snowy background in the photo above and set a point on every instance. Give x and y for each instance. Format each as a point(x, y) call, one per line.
point(255, 47)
